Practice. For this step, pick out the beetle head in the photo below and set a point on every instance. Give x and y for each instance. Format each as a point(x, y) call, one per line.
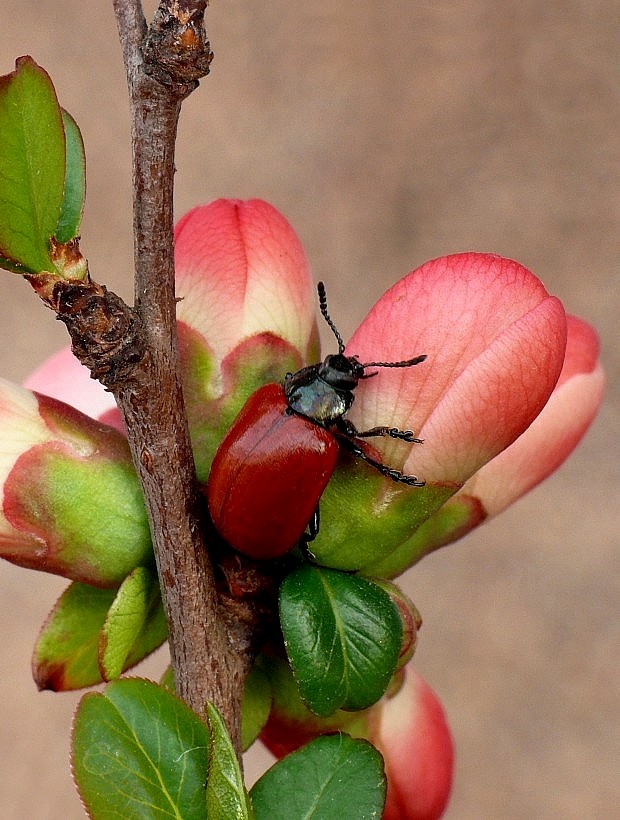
point(341, 372)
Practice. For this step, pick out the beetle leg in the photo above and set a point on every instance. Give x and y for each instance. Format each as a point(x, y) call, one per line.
point(348, 429)
point(313, 525)
point(312, 530)
point(394, 432)
point(388, 472)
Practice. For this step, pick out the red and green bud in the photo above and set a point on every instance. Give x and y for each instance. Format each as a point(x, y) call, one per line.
point(246, 313)
point(495, 342)
point(63, 377)
point(533, 456)
point(71, 501)
point(246, 316)
point(410, 730)
point(408, 726)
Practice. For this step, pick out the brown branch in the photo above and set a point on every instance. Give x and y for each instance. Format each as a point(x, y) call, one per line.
point(210, 658)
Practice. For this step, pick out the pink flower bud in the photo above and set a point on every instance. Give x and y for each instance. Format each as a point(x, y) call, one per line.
point(71, 501)
point(246, 313)
point(540, 450)
point(408, 726)
point(554, 434)
point(241, 272)
point(411, 732)
point(495, 342)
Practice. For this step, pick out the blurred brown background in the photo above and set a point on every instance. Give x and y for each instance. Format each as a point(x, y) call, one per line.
point(389, 133)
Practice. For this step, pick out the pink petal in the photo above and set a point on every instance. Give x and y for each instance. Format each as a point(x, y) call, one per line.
point(495, 344)
point(241, 271)
point(554, 434)
point(413, 735)
point(63, 377)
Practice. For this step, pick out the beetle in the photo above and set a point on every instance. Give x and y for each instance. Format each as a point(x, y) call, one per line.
point(274, 463)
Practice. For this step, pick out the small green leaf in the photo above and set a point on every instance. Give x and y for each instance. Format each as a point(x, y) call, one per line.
point(136, 609)
point(138, 751)
point(66, 655)
point(226, 795)
point(255, 706)
point(32, 166)
point(342, 635)
point(66, 652)
point(334, 776)
point(75, 183)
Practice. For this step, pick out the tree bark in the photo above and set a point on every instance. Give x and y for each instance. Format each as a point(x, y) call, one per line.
point(210, 659)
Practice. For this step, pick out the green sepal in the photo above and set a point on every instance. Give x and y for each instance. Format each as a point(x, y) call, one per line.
point(458, 516)
point(213, 398)
point(167, 680)
point(225, 794)
point(342, 635)
point(67, 652)
point(32, 167)
point(138, 751)
point(135, 619)
point(365, 517)
point(334, 776)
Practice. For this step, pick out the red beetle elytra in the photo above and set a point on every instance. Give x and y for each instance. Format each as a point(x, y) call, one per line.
point(271, 468)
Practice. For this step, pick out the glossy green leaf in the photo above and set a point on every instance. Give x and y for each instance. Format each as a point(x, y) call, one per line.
point(32, 166)
point(342, 635)
point(75, 182)
point(334, 776)
point(255, 706)
point(226, 795)
point(138, 751)
point(66, 655)
point(136, 609)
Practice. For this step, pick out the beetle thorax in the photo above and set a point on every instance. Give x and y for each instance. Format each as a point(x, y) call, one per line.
point(324, 392)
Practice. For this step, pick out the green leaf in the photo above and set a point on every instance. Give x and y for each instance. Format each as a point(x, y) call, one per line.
point(32, 166)
point(255, 706)
point(138, 751)
point(75, 183)
point(66, 655)
point(334, 776)
point(342, 635)
point(136, 611)
point(226, 795)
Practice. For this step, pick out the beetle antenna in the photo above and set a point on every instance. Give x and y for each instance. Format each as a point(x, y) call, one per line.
point(405, 363)
point(323, 305)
